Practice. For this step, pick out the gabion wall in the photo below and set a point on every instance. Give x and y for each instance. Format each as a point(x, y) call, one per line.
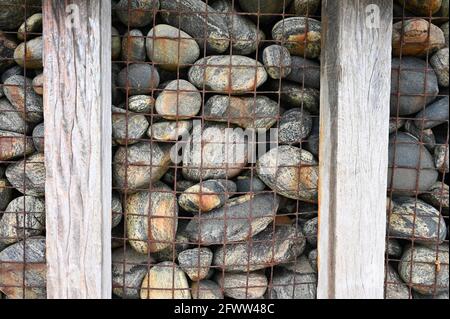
point(22, 171)
point(204, 80)
point(417, 243)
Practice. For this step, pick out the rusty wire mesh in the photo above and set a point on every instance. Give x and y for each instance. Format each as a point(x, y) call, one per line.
point(22, 209)
point(152, 231)
point(417, 232)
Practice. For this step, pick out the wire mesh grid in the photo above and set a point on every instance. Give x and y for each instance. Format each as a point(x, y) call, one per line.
point(215, 140)
point(417, 253)
point(22, 171)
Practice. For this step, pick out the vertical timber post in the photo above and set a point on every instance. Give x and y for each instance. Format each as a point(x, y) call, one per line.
point(355, 95)
point(77, 57)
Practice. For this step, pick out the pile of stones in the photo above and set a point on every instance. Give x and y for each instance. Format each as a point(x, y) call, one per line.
point(418, 250)
point(206, 226)
point(22, 170)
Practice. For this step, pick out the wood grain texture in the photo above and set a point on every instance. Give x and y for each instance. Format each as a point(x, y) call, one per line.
point(355, 91)
point(78, 147)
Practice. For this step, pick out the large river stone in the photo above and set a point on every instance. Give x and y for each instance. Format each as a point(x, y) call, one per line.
point(14, 145)
point(128, 128)
point(228, 74)
point(395, 288)
point(29, 55)
point(241, 217)
point(28, 176)
point(270, 247)
point(133, 46)
point(152, 219)
point(242, 285)
point(179, 100)
point(290, 172)
point(196, 262)
point(206, 289)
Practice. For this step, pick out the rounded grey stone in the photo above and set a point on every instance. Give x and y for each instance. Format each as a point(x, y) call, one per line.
point(10, 119)
point(171, 48)
point(244, 34)
point(277, 61)
point(310, 229)
point(270, 247)
point(38, 138)
point(211, 228)
point(306, 72)
point(14, 70)
point(292, 32)
point(24, 217)
point(395, 288)
point(410, 83)
point(179, 100)
point(305, 7)
point(290, 172)
point(242, 285)
point(416, 220)
point(28, 176)
point(116, 44)
point(433, 115)
point(234, 74)
point(206, 289)
point(426, 136)
point(169, 130)
point(248, 183)
point(5, 192)
point(258, 112)
point(133, 46)
point(441, 156)
point(422, 274)
point(312, 258)
point(210, 29)
point(406, 154)
point(136, 13)
point(138, 79)
point(19, 91)
point(438, 196)
point(32, 25)
point(196, 262)
point(116, 209)
point(439, 62)
point(14, 145)
point(295, 95)
point(139, 104)
point(30, 55)
point(394, 249)
point(128, 128)
point(295, 125)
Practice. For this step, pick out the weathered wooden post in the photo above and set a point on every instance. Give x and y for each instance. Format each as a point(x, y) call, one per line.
point(78, 147)
point(355, 94)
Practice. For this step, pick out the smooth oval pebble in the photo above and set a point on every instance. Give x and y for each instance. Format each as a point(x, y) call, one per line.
point(406, 154)
point(10, 119)
point(139, 104)
point(14, 145)
point(296, 281)
point(128, 128)
point(206, 289)
point(413, 83)
point(29, 54)
point(277, 61)
point(438, 196)
point(152, 219)
point(24, 217)
point(214, 152)
point(416, 37)
point(273, 246)
point(304, 71)
point(17, 279)
point(169, 131)
point(165, 281)
point(196, 262)
point(208, 29)
point(305, 7)
point(171, 48)
point(290, 172)
point(244, 34)
point(32, 25)
point(249, 183)
point(19, 91)
point(439, 62)
point(136, 13)
point(28, 176)
point(234, 74)
point(300, 35)
point(433, 115)
point(420, 7)
point(416, 220)
point(422, 275)
point(5, 193)
point(395, 288)
point(246, 216)
point(179, 100)
point(207, 195)
point(13, 12)
point(441, 158)
point(138, 79)
point(133, 46)
point(242, 285)
point(116, 209)
point(269, 9)
point(295, 95)
point(138, 165)
point(258, 112)
point(38, 138)
point(116, 44)
point(14, 70)
point(295, 125)
point(310, 229)
point(38, 84)
point(128, 272)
